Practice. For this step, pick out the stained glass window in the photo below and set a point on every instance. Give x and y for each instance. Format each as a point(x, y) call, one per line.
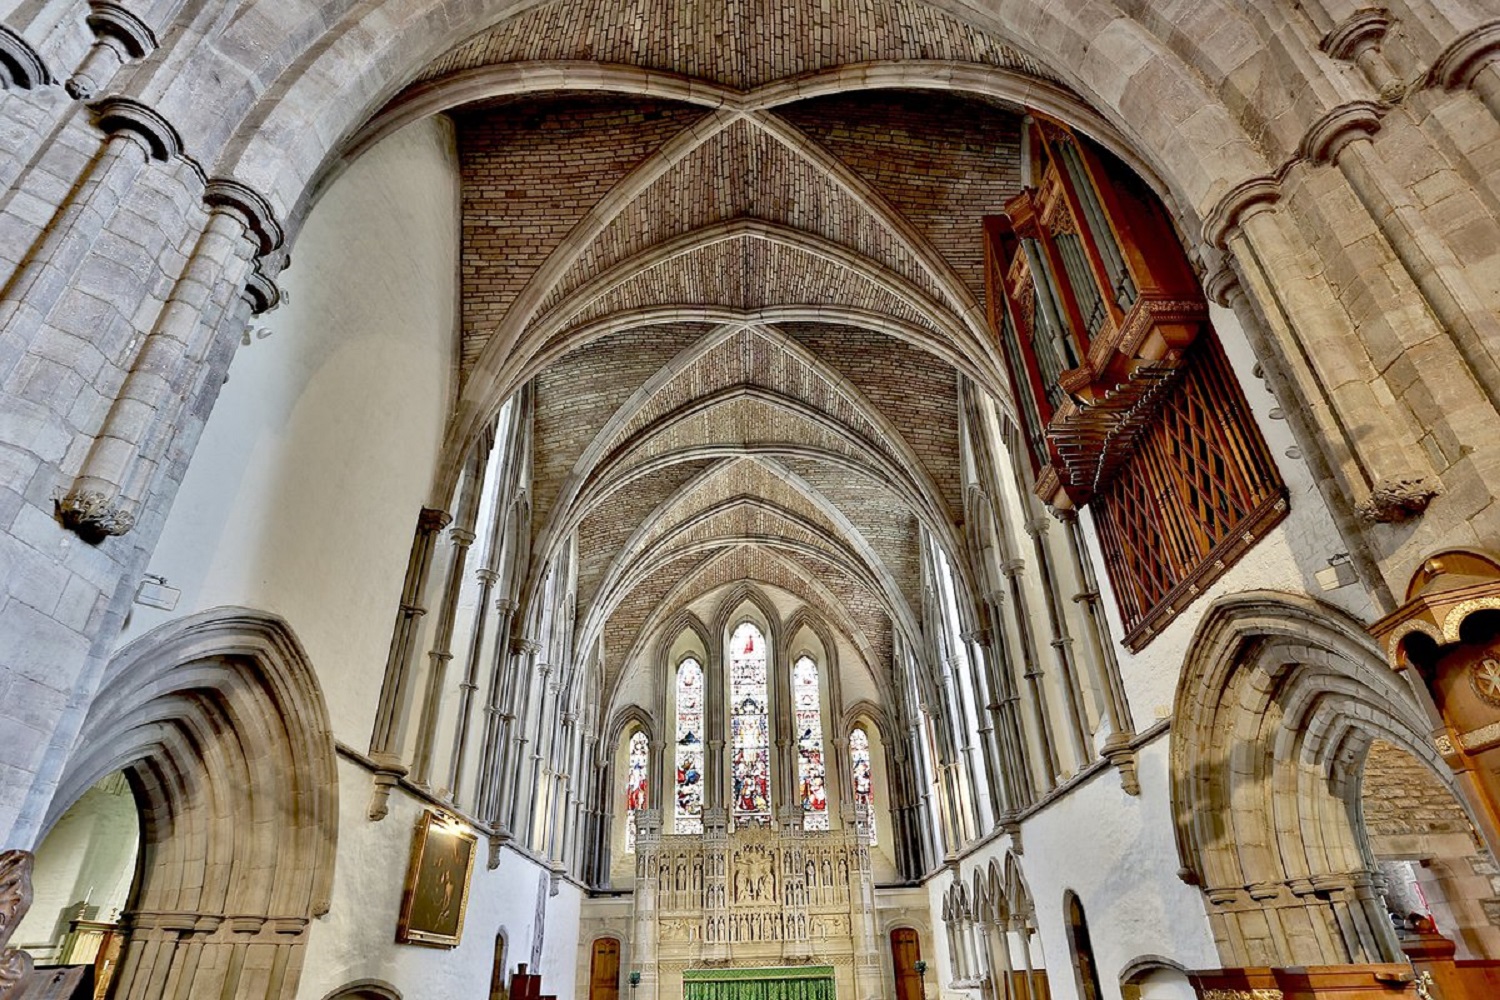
point(812, 776)
point(749, 725)
point(635, 786)
point(689, 815)
point(864, 778)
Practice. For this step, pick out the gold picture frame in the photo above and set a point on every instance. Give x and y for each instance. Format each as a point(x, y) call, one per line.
point(436, 893)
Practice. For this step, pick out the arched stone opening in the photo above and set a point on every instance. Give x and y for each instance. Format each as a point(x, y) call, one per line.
point(219, 725)
point(81, 882)
point(1428, 852)
point(1277, 705)
point(1081, 946)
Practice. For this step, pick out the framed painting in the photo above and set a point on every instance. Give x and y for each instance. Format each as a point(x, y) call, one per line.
point(437, 883)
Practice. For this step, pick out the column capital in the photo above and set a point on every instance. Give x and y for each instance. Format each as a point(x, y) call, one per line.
point(117, 115)
point(432, 519)
point(1365, 27)
point(227, 194)
point(1466, 56)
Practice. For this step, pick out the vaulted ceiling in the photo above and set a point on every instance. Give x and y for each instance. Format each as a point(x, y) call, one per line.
point(749, 298)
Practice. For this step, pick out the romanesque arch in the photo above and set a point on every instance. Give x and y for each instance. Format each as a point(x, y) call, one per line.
point(1276, 708)
point(218, 723)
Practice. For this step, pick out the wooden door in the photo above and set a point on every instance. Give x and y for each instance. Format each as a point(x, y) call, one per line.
point(604, 970)
point(904, 954)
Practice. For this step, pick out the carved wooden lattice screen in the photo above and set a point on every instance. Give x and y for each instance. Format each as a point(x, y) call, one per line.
point(1198, 491)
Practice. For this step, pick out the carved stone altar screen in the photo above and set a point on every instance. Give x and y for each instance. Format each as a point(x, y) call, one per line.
point(754, 898)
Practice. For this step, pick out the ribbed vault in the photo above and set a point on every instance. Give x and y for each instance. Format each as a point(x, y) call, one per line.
point(748, 312)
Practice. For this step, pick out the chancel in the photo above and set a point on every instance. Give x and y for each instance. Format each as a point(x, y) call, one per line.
point(749, 499)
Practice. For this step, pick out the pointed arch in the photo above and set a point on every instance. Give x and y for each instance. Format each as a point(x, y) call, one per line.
point(218, 722)
point(1277, 704)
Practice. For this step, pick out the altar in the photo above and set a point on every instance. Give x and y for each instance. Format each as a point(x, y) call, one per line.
point(798, 982)
point(754, 913)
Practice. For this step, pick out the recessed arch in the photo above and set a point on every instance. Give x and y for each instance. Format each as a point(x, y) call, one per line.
point(220, 726)
point(1278, 701)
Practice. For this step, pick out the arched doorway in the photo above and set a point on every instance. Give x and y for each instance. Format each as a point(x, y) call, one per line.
point(604, 970)
point(81, 882)
point(1427, 850)
point(1279, 699)
point(218, 723)
point(1085, 969)
point(906, 952)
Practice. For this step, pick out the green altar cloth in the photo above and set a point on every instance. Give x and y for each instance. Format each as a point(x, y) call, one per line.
point(797, 982)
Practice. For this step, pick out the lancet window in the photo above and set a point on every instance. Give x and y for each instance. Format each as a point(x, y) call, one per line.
point(862, 777)
point(688, 817)
point(749, 726)
point(637, 756)
point(812, 775)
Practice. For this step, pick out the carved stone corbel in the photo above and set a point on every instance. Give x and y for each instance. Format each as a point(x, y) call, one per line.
point(1392, 501)
point(1119, 752)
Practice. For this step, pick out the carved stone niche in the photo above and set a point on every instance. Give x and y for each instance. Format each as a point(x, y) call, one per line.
point(1447, 636)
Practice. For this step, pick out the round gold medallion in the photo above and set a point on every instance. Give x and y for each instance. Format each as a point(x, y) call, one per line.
point(1484, 678)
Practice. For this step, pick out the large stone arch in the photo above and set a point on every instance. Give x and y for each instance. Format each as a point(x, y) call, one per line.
point(219, 724)
point(1278, 702)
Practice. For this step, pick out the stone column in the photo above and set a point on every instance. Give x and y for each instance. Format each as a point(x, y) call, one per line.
point(119, 37)
point(867, 975)
point(462, 537)
point(716, 946)
point(387, 741)
point(1032, 674)
point(114, 479)
point(1473, 60)
point(135, 134)
point(1377, 460)
point(1343, 137)
point(1105, 667)
point(643, 940)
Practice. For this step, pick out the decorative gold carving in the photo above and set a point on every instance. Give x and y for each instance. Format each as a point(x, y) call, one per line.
point(1481, 738)
point(1456, 615)
point(1484, 678)
point(1257, 994)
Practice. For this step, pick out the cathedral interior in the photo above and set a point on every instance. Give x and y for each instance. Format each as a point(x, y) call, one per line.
point(750, 499)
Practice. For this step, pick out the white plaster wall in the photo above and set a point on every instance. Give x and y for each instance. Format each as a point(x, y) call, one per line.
point(88, 855)
point(305, 488)
point(1117, 852)
point(354, 941)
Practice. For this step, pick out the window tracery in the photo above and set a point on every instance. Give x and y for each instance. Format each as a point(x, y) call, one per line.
point(863, 778)
point(635, 785)
point(749, 726)
point(812, 776)
point(689, 738)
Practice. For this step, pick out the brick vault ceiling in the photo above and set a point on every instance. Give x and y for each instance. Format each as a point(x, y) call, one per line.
point(747, 328)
